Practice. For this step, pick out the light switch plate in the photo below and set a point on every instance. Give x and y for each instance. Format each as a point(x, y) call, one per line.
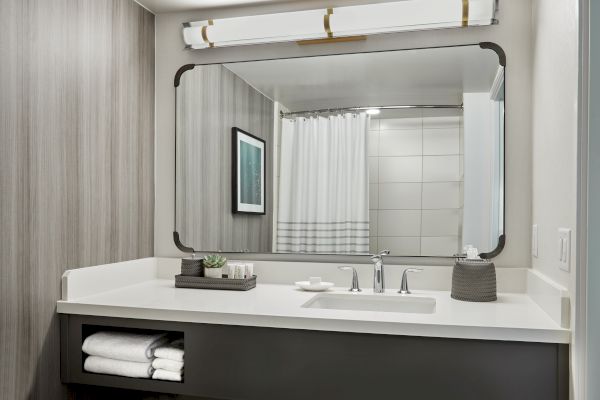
point(534, 240)
point(564, 249)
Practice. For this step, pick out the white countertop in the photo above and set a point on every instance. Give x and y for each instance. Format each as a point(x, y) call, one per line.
point(513, 317)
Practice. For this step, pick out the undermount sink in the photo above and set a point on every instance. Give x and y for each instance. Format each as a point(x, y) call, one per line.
point(368, 302)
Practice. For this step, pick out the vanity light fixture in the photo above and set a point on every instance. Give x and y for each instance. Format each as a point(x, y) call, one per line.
point(339, 23)
point(373, 111)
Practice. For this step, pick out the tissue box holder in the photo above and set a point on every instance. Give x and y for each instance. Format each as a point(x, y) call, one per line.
point(474, 280)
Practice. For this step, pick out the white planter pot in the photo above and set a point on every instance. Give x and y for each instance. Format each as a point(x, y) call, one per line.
point(213, 272)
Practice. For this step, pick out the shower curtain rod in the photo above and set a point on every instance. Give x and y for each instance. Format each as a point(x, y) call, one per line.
point(334, 110)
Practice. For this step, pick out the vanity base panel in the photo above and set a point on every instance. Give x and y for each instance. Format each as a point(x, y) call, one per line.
point(252, 363)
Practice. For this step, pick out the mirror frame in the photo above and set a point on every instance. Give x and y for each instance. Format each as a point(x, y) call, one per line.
point(347, 258)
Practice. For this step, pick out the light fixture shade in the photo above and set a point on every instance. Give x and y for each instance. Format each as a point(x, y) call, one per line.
point(283, 27)
point(347, 21)
point(410, 15)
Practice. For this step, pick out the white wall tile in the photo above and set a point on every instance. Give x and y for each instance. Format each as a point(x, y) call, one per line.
point(400, 196)
point(441, 195)
point(373, 223)
point(373, 244)
point(373, 169)
point(440, 222)
point(401, 123)
point(403, 153)
point(373, 196)
point(441, 168)
point(400, 246)
point(373, 137)
point(399, 223)
point(439, 246)
point(441, 141)
point(441, 122)
point(400, 169)
point(401, 143)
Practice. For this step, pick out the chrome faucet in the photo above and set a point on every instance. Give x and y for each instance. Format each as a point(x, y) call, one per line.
point(378, 276)
point(355, 287)
point(404, 284)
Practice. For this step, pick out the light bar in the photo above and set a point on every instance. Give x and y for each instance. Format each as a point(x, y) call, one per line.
point(339, 22)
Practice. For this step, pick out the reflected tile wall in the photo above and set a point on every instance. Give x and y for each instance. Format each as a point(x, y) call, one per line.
point(416, 185)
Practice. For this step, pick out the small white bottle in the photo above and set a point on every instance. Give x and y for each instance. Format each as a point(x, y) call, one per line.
point(249, 270)
point(239, 271)
point(231, 270)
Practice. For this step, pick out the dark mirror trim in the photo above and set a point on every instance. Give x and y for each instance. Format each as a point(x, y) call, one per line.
point(181, 246)
point(497, 49)
point(502, 239)
point(497, 250)
point(344, 258)
point(180, 72)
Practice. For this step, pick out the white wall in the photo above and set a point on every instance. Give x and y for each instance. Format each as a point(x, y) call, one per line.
point(593, 216)
point(513, 34)
point(555, 77)
point(554, 126)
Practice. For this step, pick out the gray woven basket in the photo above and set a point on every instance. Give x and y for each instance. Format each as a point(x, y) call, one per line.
point(197, 282)
point(192, 267)
point(474, 280)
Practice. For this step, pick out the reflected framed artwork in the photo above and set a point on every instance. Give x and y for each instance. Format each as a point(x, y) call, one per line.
point(248, 173)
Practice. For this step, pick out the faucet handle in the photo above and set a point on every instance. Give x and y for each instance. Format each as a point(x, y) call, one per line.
point(404, 285)
point(355, 287)
point(380, 255)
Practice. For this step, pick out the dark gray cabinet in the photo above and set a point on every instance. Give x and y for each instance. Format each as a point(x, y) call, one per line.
point(240, 362)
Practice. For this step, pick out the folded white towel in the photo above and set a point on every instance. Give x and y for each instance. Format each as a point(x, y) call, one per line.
point(165, 375)
point(123, 345)
point(132, 369)
point(166, 364)
point(172, 351)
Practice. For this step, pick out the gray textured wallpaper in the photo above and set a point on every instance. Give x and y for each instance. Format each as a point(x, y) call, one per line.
point(76, 165)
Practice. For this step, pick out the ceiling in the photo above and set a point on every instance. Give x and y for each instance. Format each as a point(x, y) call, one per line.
point(413, 77)
point(165, 6)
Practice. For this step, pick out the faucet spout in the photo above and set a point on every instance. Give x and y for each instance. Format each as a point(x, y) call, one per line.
point(378, 271)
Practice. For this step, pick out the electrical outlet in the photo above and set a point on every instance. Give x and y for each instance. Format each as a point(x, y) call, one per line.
point(564, 249)
point(534, 240)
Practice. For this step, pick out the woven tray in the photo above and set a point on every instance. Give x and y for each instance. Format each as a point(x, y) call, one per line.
point(200, 282)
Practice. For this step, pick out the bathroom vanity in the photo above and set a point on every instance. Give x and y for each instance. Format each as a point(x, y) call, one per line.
point(308, 165)
point(277, 342)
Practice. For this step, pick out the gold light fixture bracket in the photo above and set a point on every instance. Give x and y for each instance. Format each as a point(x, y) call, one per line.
point(327, 22)
point(465, 13)
point(205, 35)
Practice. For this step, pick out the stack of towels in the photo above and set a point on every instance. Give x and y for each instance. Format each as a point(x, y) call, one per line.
point(126, 354)
point(168, 364)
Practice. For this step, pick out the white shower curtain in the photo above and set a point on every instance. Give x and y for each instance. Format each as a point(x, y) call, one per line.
point(323, 189)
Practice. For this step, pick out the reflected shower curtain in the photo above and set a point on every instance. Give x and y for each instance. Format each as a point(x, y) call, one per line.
point(324, 188)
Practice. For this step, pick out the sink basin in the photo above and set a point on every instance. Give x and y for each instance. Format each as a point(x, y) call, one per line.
point(370, 302)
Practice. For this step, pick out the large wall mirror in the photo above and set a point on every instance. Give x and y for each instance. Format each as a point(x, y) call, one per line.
point(343, 154)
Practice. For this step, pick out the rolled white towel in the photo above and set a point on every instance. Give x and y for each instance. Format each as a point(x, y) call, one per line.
point(123, 345)
point(132, 369)
point(166, 364)
point(172, 351)
point(164, 375)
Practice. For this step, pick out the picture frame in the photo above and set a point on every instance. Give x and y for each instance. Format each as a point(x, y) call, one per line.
point(248, 180)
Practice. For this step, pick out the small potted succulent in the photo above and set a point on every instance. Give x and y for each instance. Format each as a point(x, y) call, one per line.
point(213, 265)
